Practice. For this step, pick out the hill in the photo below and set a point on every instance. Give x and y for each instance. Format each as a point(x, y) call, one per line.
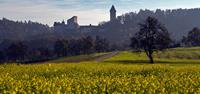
point(178, 22)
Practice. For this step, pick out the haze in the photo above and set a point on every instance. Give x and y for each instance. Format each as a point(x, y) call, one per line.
point(88, 11)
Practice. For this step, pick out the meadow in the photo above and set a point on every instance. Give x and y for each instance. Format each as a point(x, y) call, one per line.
point(176, 71)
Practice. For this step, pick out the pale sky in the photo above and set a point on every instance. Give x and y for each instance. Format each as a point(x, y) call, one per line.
point(88, 11)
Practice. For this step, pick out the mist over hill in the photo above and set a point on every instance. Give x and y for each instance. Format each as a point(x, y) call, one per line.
point(178, 22)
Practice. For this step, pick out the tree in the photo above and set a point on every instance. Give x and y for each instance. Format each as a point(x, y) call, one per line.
point(61, 47)
point(193, 38)
point(44, 53)
point(40, 54)
point(17, 51)
point(2, 56)
point(87, 45)
point(74, 47)
point(151, 37)
point(101, 44)
point(84, 45)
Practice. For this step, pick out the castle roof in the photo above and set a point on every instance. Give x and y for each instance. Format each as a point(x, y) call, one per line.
point(113, 9)
point(89, 26)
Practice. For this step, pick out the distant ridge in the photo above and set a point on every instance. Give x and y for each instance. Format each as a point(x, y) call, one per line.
point(178, 22)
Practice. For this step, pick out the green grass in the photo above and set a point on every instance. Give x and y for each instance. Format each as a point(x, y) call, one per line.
point(169, 56)
point(125, 73)
point(181, 53)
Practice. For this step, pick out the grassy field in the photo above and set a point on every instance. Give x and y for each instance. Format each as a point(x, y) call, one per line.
point(169, 56)
point(177, 71)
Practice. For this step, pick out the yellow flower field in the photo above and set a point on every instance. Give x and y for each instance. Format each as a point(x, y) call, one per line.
point(113, 76)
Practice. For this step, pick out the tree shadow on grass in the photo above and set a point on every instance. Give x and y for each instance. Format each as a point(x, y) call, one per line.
point(148, 62)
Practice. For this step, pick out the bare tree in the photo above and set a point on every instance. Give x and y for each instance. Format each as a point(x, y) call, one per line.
point(151, 37)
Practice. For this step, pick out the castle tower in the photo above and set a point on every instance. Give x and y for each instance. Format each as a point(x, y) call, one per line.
point(72, 23)
point(112, 13)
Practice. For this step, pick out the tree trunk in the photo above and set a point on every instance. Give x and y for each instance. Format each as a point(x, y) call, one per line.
point(151, 59)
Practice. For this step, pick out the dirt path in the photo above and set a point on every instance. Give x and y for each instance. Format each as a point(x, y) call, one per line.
point(97, 58)
point(84, 59)
point(106, 56)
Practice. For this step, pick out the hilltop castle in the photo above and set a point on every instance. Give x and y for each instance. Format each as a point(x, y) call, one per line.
point(72, 23)
point(113, 13)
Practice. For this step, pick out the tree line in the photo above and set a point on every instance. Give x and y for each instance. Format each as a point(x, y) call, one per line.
point(178, 22)
point(192, 39)
point(19, 52)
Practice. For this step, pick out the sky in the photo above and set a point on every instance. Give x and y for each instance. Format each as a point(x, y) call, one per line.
point(88, 11)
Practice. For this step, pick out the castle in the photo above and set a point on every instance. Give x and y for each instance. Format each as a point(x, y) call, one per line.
point(72, 23)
